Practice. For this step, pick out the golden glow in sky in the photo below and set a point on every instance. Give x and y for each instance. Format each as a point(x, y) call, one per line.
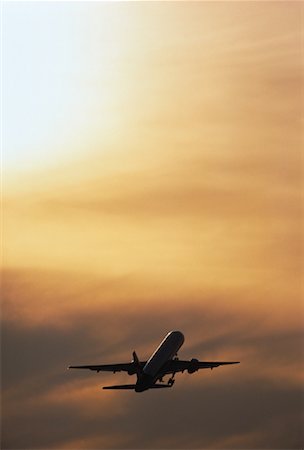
point(63, 79)
point(153, 170)
point(167, 148)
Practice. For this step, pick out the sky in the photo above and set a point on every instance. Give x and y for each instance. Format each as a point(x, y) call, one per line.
point(152, 180)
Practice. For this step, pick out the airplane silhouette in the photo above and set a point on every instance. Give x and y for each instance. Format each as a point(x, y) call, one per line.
point(162, 362)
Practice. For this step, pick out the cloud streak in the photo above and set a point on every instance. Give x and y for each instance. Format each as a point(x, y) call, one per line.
point(179, 208)
point(242, 407)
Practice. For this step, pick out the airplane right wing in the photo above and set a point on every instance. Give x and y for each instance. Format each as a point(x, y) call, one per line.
point(176, 365)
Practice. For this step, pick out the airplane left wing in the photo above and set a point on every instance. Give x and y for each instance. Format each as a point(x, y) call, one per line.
point(175, 365)
point(124, 367)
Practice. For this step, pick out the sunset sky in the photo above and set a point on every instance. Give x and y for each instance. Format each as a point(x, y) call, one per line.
point(152, 180)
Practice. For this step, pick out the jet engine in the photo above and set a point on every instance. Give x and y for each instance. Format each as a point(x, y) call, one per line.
point(194, 365)
point(132, 370)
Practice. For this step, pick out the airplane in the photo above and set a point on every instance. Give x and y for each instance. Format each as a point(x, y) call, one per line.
point(162, 362)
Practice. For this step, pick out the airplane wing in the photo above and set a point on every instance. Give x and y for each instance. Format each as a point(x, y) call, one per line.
point(176, 365)
point(124, 367)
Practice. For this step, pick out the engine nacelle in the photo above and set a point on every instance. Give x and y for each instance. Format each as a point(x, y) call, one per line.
point(132, 371)
point(133, 368)
point(194, 365)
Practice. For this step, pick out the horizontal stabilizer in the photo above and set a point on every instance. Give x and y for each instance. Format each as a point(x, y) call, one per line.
point(132, 386)
point(121, 386)
point(156, 386)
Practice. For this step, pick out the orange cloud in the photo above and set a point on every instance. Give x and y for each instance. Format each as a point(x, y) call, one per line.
point(179, 207)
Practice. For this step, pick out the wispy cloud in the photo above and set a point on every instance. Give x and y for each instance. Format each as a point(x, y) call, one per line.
point(240, 407)
point(179, 208)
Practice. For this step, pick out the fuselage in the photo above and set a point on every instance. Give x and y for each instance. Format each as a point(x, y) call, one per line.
point(164, 353)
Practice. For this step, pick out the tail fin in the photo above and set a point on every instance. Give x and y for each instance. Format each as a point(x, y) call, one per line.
point(137, 365)
point(135, 358)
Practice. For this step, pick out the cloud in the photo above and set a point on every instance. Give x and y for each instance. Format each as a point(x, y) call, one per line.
point(181, 210)
point(246, 406)
point(203, 410)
